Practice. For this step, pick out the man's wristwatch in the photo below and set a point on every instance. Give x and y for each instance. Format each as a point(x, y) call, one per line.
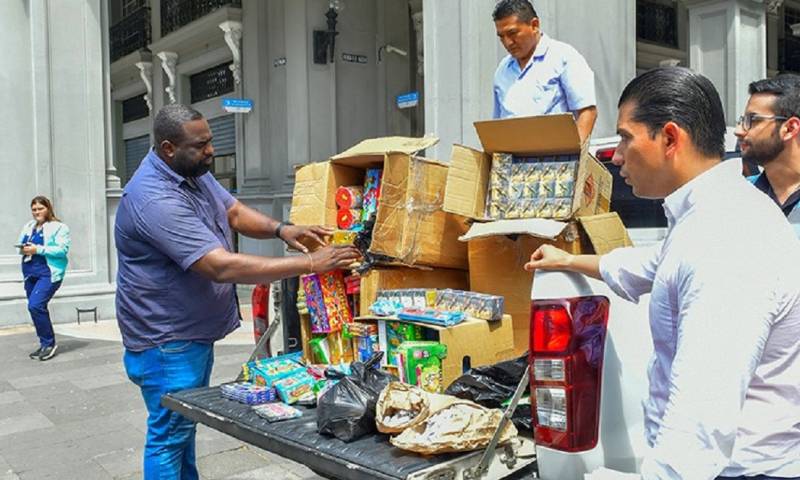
point(280, 227)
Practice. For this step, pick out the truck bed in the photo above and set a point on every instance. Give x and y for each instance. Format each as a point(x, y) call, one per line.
point(370, 457)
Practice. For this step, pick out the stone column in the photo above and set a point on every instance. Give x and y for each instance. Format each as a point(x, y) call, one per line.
point(727, 43)
point(113, 182)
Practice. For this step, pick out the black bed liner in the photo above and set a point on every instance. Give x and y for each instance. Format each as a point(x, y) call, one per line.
point(370, 457)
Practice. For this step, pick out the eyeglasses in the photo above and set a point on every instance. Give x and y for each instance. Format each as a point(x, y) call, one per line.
point(746, 120)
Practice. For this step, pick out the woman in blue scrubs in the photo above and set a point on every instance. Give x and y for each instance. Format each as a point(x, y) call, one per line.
point(44, 243)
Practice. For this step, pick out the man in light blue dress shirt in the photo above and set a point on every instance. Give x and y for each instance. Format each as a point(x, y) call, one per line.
point(540, 75)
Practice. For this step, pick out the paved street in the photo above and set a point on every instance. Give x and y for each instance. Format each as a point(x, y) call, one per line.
point(78, 417)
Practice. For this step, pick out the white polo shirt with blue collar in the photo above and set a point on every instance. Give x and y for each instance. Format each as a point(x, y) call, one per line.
point(556, 79)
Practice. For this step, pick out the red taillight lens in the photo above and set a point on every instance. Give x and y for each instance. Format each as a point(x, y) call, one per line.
point(260, 305)
point(567, 345)
point(551, 330)
point(606, 154)
point(260, 301)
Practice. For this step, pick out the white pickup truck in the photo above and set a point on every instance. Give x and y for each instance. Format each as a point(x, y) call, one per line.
point(589, 357)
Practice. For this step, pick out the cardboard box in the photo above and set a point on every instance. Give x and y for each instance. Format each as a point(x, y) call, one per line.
point(499, 250)
point(411, 225)
point(472, 343)
point(400, 277)
point(468, 177)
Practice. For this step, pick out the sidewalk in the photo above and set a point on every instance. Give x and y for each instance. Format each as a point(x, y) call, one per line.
point(78, 417)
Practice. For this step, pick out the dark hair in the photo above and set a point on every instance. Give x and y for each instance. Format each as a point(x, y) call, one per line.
point(168, 124)
point(786, 87)
point(677, 94)
point(45, 202)
point(521, 8)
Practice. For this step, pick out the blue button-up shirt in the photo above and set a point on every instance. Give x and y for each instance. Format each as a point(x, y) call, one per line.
point(556, 79)
point(165, 223)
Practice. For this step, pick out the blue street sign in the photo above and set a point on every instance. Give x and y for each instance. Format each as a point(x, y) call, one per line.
point(408, 100)
point(237, 105)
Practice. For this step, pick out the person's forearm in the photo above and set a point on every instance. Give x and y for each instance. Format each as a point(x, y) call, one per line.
point(586, 264)
point(251, 223)
point(585, 121)
point(226, 267)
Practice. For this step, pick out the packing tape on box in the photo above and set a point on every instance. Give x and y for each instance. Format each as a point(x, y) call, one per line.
point(417, 210)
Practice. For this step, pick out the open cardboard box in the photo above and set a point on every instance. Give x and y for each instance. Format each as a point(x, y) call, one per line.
point(471, 343)
point(468, 177)
point(411, 225)
point(498, 251)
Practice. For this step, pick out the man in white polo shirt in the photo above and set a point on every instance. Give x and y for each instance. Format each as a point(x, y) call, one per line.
point(540, 75)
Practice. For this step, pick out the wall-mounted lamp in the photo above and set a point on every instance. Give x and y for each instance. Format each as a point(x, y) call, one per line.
point(325, 40)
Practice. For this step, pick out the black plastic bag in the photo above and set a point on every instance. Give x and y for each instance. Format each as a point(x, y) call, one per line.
point(347, 410)
point(491, 385)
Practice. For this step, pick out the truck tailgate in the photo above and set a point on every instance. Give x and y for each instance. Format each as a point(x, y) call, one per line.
point(370, 457)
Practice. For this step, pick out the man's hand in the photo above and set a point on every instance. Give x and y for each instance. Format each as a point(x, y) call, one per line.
point(333, 258)
point(29, 249)
point(548, 257)
point(292, 234)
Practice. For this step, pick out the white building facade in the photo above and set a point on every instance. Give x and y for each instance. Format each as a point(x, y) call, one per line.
point(86, 77)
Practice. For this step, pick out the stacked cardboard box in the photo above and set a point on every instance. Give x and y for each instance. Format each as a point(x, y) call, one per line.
point(421, 223)
point(498, 250)
point(411, 226)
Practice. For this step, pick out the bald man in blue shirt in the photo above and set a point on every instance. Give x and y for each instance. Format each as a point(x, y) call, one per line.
point(540, 75)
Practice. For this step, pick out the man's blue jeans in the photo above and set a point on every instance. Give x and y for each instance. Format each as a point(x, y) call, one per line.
point(171, 367)
point(39, 291)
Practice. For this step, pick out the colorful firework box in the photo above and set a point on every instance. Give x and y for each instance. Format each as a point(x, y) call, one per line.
point(248, 393)
point(275, 412)
point(267, 371)
point(293, 388)
point(531, 187)
point(372, 193)
point(326, 298)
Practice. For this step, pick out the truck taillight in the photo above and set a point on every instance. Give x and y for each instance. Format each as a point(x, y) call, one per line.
point(606, 154)
point(566, 356)
point(260, 305)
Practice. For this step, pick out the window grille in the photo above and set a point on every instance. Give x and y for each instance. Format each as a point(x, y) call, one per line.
point(177, 13)
point(211, 83)
point(789, 45)
point(657, 23)
point(134, 108)
point(130, 34)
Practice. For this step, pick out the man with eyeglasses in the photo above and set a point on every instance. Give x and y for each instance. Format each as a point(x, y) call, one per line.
point(769, 135)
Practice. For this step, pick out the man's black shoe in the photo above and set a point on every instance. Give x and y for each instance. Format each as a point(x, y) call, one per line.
point(48, 353)
point(35, 355)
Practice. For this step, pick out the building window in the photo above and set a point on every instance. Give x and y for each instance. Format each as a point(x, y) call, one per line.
point(177, 13)
point(135, 150)
point(130, 34)
point(211, 83)
point(789, 45)
point(657, 22)
point(130, 6)
point(224, 169)
point(134, 108)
